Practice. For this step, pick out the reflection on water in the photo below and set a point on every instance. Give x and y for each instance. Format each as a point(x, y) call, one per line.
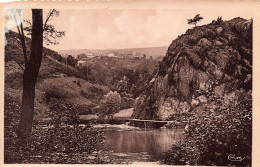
point(153, 141)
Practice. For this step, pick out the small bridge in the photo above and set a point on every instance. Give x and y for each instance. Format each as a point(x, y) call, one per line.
point(148, 123)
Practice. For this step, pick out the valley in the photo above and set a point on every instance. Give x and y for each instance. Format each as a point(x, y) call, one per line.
point(170, 105)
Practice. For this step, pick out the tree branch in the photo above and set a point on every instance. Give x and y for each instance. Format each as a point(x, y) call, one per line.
point(47, 19)
point(23, 45)
point(21, 36)
point(19, 32)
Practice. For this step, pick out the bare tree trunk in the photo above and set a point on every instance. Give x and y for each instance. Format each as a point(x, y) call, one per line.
point(30, 75)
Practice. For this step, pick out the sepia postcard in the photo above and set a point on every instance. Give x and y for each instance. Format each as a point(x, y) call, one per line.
point(133, 83)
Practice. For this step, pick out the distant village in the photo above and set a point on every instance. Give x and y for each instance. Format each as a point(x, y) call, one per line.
point(84, 58)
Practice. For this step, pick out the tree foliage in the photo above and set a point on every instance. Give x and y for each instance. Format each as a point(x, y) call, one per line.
point(71, 61)
point(217, 135)
point(218, 21)
point(50, 34)
point(196, 19)
point(110, 105)
point(122, 85)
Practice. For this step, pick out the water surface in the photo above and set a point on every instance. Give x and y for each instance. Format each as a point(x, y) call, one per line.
point(154, 142)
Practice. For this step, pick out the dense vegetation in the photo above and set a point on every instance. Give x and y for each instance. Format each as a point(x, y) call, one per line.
point(109, 71)
point(110, 105)
point(63, 92)
point(218, 136)
point(87, 84)
point(219, 114)
point(62, 140)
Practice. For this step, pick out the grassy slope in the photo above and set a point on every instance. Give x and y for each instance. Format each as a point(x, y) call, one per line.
point(84, 94)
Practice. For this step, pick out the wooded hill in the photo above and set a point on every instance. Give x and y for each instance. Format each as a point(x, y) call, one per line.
point(56, 79)
point(84, 87)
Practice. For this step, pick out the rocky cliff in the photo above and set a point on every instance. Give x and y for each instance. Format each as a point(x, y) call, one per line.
point(216, 57)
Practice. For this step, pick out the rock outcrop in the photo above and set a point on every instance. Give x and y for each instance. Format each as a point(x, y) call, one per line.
point(217, 56)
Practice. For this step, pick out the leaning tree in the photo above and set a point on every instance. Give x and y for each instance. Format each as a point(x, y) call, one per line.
point(39, 32)
point(196, 19)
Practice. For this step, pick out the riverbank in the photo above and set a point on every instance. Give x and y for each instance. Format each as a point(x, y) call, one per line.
point(124, 117)
point(109, 157)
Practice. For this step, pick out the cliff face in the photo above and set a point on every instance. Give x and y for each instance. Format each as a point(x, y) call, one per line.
point(216, 57)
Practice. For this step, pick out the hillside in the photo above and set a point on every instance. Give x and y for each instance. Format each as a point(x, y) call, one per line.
point(148, 51)
point(82, 86)
point(55, 80)
point(214, 58)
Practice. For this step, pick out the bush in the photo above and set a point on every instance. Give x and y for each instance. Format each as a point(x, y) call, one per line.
point(177, 155)
point(218, 21)
point(214, 137)
point(127, 103)
point(58, 57)
point(14, 80)
point(71, 61)
point(110, 105)
point(62, 141)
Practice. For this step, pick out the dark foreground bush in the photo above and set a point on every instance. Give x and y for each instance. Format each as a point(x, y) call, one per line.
point(220, 137)
point(61, 141)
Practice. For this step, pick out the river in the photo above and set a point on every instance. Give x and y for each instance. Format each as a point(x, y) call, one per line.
point(153, 142)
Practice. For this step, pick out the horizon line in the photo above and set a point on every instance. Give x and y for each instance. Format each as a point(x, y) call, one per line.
point(111, 48)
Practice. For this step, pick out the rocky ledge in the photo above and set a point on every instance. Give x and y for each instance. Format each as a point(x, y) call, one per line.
point(216, 57)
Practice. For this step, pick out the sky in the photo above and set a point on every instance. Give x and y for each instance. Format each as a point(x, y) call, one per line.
point(134, 28)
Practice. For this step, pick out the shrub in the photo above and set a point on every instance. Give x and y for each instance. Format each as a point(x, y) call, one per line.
point(14, 80)
point(110, 105)
point(54, 93)
point(71, 61)
point(218, 21)
point(178, 154)
point(58, 57)
point(127, 103)
point(62, 141)
point(214, 137)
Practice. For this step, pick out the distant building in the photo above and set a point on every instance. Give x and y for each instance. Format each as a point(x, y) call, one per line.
point(124, 55)
point(90, 55)
point(111, 55)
